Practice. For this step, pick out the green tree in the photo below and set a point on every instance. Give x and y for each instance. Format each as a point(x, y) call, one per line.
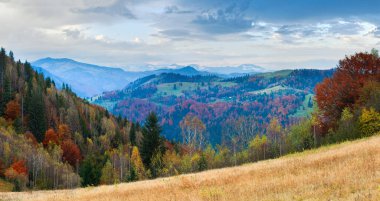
point(108, 174)
point(151, 142)
point(347, 127)
point(300, 136)
point(132, 176)
point(37, 115)
point(157, 164)
point(7, 93)
point(255, 147)
point(132, 134)
point(202, 163)
point(3, 62)
point(276, 136)
point(264, 145)
point(91, 169)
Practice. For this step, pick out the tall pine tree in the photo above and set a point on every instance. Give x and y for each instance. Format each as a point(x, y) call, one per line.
point(37, 116)
point(2, 75)
point(132, 135)
point(151, 139)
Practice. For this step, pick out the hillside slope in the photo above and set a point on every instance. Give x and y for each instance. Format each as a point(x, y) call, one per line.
point(348, 171)
point(216, 101)
point(85, 79)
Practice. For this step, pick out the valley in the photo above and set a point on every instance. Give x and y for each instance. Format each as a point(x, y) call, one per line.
point(202, 100)
point(285, 94)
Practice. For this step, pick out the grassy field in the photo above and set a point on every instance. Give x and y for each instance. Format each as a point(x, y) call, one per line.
point(304, 110)
point(280, 73)
point(268, 90)
point(167, 89)
point(5, 186)
point(273, 89)
point(347, 171)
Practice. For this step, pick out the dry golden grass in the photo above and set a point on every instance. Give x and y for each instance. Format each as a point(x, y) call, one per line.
point(348, 171)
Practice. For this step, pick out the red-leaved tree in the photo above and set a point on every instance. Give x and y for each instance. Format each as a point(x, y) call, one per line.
point(12, 110)
point(71, 152)
point(343, 88)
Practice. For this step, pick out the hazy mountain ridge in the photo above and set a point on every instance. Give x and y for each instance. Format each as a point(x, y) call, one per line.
point(85, 79)
point(96, 79)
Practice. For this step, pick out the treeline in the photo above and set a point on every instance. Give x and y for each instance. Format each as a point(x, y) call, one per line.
point(52, 139)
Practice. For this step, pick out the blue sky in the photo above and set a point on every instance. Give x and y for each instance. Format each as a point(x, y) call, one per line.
point(129, 33)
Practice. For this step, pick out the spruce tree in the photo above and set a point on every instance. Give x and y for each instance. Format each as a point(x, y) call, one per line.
point(6, 95)
point(132, 135)
point(37, 116)
point(2, 75)
point(2, 62)
point(151, 139)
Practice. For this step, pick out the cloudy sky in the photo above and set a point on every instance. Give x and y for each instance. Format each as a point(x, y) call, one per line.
point(126, 33)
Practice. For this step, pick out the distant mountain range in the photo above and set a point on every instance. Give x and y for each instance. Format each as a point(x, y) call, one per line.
point(88, 80)
point(236, 70)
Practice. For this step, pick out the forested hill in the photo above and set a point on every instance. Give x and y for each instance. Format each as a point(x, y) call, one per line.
point(49, 134)
point(217, 102)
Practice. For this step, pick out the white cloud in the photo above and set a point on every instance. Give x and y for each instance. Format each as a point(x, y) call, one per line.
point(126, 32)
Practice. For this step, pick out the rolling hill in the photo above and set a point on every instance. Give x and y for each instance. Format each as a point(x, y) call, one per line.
point(347, 171)
point(217, 101)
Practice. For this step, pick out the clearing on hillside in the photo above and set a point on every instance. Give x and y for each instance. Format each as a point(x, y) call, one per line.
point(348, 171)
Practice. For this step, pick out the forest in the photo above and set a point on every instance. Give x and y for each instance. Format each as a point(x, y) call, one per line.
point(52, 139)
point(286, 95)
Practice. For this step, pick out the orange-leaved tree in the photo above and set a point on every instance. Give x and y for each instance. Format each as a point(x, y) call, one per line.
point(12, 110)
point(50, 137)
point(64, 132)
point(16, 169)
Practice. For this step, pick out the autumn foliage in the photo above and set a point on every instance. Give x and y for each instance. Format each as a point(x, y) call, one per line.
point(343, 89)
point(71, 152)
point(12, 110)
point(29, 136)
point(17, 168)
point(50, 137)
point(64, 132)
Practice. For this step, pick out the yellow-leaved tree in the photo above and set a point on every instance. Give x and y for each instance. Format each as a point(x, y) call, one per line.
point(369, 122)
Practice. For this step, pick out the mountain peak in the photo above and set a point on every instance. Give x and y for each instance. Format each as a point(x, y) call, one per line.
point(188, 68)
point(50, 59)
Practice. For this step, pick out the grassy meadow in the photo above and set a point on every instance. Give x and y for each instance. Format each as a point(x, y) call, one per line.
point(347, 171)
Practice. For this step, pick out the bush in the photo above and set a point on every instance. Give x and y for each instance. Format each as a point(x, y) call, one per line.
point(347, 127)
point(369, 122)
point(300, 136)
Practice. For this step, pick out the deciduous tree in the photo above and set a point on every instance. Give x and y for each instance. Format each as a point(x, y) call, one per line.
point(71, 153)
point(51, 137)
point(343, 89)
point(12, 110)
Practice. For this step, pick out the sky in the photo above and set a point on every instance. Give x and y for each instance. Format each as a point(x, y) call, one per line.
point(131, 33)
